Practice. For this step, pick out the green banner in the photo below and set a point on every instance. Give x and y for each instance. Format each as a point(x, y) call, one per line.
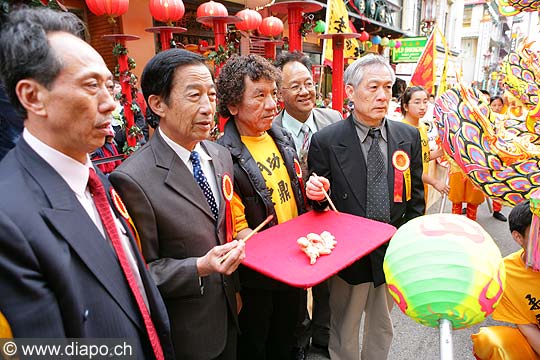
point(410, 50)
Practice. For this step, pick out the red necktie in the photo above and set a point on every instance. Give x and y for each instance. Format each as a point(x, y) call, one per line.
point(102, 205)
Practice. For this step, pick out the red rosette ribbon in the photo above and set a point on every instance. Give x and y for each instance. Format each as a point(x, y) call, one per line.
point(401, 163)
point(228, 190)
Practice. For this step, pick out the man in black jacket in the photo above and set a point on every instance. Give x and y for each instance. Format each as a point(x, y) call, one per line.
point(373, 167)
point(265, 183)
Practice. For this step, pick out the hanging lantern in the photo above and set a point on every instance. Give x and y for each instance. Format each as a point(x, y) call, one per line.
point(444, 266)
point(320, 27)
point(392, 44)
point(398, 44)
point(212, 8)
point(364, 36)
point(376, 40)
point(111, 8)
point(385, 41)
point(167, 11)
point(271, 26)
point(251, 20)
point(258, 4)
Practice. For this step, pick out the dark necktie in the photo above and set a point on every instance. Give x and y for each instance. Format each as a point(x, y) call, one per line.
point(378, 200)
point(304, 149)
point(198, 174)
point(103, 208)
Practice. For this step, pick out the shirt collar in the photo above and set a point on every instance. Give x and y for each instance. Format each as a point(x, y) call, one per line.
point(73, 172)
point(294, 126)
point(184, 153)
point(363, 129)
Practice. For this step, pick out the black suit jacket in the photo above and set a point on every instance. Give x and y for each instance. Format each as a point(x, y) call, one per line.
point(176, 227)
point(59, 277)
point(335, 153)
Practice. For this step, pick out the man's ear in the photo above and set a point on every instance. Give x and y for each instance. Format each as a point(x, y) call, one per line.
point(518, 237)
point(233, 109)
point(157, 105)
point(32, 96)
point(349, 90)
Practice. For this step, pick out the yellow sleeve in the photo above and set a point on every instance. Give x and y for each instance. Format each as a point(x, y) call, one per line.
point(239, 217)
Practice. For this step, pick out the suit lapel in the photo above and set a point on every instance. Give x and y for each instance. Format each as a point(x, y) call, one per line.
point(219, 172)
point(179, 178)
point(67, 216)
point(393, 145)
point(351, 163)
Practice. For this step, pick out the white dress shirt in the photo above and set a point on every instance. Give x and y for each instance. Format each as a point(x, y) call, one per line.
point(294, 126)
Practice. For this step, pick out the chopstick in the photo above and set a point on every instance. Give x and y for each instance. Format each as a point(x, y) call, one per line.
point(330, 202)
point(248, 236)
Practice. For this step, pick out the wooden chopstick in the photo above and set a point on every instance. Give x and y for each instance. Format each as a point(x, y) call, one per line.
point(248, 236)
point(330, 202)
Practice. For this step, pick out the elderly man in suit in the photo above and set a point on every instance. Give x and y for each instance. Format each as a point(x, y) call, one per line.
point(176, 188)
point(69, 264)
point(303, 119)
point(358, 160)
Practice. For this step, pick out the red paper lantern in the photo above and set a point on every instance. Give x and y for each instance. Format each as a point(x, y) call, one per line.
point(251, 20)
point(212, 8)
point(111, 8)
point(364, 36)
point(167, 11)
point(271, 26)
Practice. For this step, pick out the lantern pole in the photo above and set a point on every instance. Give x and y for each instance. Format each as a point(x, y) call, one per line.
point(269, 47)
point(165, 34)
point(123, 67)
point(338, 66)
point(445, 336)
point(219, 25)
point(295, 9)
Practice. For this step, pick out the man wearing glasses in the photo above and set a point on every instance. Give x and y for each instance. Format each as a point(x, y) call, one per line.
point(297, 92)
point(302, 119)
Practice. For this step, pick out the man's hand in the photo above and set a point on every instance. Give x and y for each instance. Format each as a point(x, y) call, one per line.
point(211, 262)
point(532, 334)
point(316, 187)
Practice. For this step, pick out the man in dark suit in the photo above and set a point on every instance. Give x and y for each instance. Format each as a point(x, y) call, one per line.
point(302, 119)
point(176, 189)
point(373, 168)
point(65, 272)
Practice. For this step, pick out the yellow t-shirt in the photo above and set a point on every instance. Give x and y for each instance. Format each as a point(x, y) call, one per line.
point(264, 151)
point(520, 303)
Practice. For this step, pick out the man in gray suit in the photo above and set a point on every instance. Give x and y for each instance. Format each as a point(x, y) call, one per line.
point(303, 119)
point(174, 190)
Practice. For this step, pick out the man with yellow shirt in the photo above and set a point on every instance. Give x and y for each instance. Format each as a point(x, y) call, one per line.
point(520, 304)
point(265, 183)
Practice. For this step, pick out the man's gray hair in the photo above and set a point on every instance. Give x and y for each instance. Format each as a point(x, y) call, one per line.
point(354, 74)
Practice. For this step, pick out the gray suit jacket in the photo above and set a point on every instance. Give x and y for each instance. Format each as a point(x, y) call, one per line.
point(176, 226)
point(322, 117)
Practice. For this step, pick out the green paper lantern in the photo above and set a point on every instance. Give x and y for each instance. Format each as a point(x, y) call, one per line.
point(392, 43)
point(444, 266)
point(385, 41)
point(320, 27)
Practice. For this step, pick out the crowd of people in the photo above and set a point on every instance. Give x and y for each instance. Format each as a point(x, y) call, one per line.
point(150, 248)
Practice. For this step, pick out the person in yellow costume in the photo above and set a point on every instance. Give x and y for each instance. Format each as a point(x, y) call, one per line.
point(414, 104)
point(520, 304)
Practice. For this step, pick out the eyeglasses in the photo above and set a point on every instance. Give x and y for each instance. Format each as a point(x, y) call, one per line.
point(297, 88)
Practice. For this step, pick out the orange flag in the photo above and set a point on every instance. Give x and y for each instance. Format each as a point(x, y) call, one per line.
point(424, 74)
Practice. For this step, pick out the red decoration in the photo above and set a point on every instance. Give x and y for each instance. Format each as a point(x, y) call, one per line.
point(251, 20)
point(167, 11)
point(212, 8)
point(271, 26)
point(111, 8)
point(364, 36)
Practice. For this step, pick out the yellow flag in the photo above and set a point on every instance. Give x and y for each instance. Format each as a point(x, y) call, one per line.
point(443, 86)
point(338, 22)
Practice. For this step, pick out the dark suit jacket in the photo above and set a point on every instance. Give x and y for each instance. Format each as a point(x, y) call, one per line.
point(176, 226)
point(59, 277)
point(322, 117)
point(335, 153)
